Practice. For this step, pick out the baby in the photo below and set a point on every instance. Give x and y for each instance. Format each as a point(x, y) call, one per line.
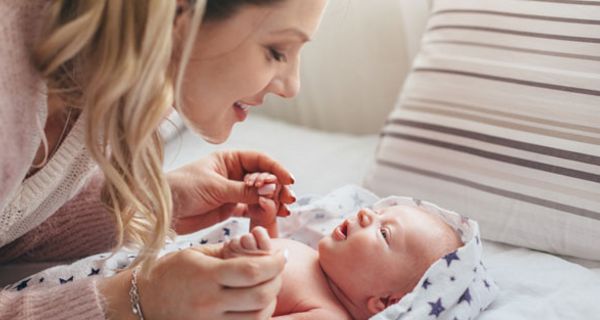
point(367, 263)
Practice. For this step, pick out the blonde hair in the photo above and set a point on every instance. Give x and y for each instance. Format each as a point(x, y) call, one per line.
point(114, 60)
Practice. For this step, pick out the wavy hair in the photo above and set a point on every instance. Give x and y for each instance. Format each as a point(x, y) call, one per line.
point(118, 61)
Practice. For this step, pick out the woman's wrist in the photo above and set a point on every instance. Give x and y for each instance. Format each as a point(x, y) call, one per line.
point(115, 291)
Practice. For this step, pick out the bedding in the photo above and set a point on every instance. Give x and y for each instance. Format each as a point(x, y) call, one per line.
point(458, 283)
point(499, 121)
point(532, 284)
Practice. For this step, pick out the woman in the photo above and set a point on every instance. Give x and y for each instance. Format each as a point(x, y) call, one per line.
point(104, 74)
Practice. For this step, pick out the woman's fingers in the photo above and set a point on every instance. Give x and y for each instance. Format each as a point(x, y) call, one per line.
point(265, 313)
point(253, 298)
point(251, 161)
point(286, 195)
point(249, 271)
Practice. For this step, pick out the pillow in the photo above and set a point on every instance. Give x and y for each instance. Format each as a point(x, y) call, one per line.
point(500, 120)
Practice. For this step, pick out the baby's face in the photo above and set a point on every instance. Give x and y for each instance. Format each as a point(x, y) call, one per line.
point(384, 253)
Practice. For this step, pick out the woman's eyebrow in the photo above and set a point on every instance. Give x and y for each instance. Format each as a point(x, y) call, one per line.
point(295, 32)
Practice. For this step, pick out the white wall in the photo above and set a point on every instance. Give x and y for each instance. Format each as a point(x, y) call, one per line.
point(353, 70)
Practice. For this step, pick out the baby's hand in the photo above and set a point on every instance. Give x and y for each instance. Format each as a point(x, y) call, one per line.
point(265, 212)
point(257, 242)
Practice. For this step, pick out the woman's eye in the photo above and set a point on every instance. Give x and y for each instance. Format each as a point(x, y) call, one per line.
point(278, 56)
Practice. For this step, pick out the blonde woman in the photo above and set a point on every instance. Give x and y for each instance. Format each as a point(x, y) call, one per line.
point(84, 85)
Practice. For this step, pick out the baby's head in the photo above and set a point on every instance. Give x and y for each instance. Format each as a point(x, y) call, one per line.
point(373, 259)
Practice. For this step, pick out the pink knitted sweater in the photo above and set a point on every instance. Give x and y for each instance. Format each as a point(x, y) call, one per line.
point(55, 215)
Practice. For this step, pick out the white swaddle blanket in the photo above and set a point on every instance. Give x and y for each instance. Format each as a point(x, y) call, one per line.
point(456, 287)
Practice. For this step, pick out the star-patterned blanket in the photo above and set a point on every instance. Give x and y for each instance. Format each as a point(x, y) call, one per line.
point(456, 287)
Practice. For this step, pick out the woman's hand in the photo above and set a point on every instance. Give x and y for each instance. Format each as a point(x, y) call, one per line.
point(213, 189)
point(197, 283)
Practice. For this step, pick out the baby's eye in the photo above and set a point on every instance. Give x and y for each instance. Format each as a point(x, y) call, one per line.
point(384, 233)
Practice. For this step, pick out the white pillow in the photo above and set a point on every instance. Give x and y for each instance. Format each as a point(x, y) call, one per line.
point(500, 121)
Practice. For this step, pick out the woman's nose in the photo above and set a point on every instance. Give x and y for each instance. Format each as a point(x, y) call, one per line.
point(287, 84)
point(365, 217)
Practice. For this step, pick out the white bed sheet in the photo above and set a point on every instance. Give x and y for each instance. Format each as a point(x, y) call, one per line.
point(533, 285)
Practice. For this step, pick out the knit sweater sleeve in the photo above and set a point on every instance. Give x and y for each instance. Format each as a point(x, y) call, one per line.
point(80, 228)
point(75, 300)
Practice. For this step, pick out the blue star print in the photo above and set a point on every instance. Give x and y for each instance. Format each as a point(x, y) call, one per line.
point(436, 307)
point(94, 272)
point(227, 232)
point(451, 256)
point(426, 283)
point(23, 284)
point(63, 281)
point(466, 296)
point(203, 241)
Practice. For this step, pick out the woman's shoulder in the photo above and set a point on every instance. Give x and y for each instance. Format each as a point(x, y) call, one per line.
point(22, 91)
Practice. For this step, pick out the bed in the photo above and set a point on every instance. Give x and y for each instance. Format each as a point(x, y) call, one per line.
point(532, 284)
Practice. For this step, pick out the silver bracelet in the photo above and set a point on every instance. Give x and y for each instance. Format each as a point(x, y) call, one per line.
point(134, 295)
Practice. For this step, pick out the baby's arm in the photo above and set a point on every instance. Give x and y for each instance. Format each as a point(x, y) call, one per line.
point(313, 314)
point(264, 214)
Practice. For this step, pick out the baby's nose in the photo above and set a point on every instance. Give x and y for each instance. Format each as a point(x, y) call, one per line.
point(365, 217)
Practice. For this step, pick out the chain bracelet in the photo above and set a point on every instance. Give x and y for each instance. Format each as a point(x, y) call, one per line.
point(134, 295)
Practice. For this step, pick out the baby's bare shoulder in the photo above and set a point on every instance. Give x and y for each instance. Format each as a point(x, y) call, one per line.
point(305, 286)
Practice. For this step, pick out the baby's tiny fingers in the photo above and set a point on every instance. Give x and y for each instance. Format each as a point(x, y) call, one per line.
point(262, 238)
point(267, 190)
point(268, 206)
point(264, 178)
point(250, 179)
point(248, 242)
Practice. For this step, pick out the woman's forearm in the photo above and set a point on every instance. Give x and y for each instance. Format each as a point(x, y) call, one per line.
point(75, 300)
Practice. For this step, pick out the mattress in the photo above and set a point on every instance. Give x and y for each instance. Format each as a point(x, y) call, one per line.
point(532, 284)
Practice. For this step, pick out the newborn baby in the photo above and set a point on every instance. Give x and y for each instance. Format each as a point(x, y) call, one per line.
point(367, 263)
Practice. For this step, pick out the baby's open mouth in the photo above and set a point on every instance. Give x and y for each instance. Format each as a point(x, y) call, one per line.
point(341, 232)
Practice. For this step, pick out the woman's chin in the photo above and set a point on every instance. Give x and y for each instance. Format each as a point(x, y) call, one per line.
point(216, 138)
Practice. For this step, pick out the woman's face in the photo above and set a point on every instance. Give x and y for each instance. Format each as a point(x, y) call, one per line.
point(236, 62)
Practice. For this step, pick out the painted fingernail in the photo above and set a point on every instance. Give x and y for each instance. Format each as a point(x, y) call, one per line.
point(293, 195)
point(293, 178)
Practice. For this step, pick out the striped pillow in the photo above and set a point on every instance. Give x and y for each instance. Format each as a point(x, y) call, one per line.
point(500, 120)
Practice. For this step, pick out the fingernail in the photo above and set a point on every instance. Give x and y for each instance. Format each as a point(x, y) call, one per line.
point(286, 254)
point(293, 194)
point(287, 211)
point(293, 178)
point(267, 189)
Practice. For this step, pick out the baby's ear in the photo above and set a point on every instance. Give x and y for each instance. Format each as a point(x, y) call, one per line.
point(376, 304)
